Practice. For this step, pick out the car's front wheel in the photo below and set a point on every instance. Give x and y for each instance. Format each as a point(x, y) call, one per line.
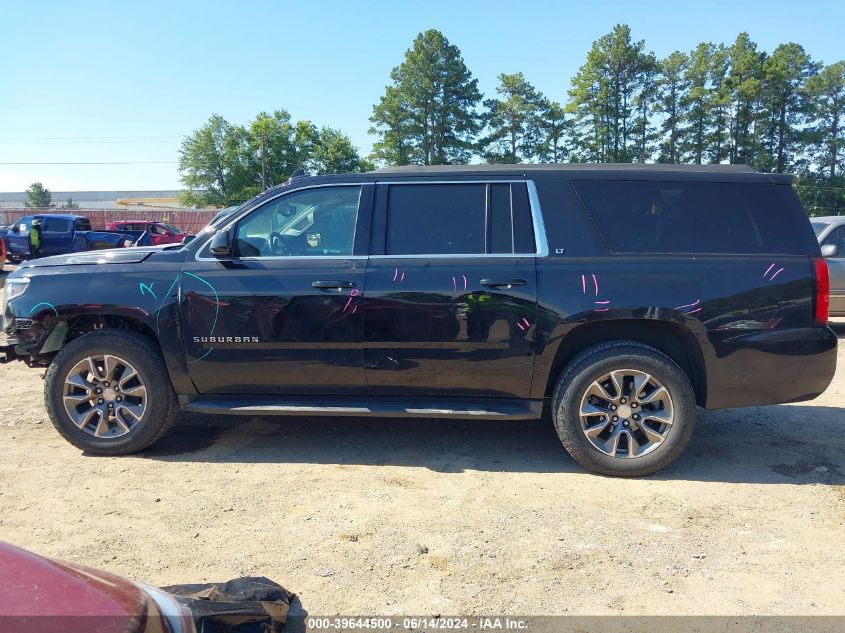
point(624, 409)
point(109, 393)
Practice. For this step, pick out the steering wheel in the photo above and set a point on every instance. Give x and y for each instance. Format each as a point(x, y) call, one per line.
point(278, 244)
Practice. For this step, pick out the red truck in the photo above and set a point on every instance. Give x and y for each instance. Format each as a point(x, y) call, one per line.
point(159, 232)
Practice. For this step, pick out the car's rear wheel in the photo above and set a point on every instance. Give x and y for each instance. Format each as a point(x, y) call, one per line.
point(624, 409)
point(108, 393)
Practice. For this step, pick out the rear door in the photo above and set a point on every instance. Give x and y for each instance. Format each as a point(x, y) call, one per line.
point(281, 315)
point(451, 294)
point(55, 235)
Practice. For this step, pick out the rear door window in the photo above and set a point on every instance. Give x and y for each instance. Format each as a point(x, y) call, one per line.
point(83, 225)
point(437, 219)
point(57, 225)
point(696, 217)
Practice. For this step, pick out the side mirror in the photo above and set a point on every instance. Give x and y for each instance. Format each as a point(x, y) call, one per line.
point(188, 239)
point(830, 250)
point(221, 244)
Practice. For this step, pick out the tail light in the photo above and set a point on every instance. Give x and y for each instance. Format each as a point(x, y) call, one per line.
point(822, 280)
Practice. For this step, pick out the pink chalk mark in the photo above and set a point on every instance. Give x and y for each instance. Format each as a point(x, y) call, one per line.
point(780, 270)
point(402, 278)
point(355, 292)
point(354, 309)
point(583, 284)
point(527, 324)
point(602, 310)
point(454, 283)
point(690, 305)
point(395, 273)
point(768, 269)
point(694, 311)
point(519, 325)
point(596, 282)
point(465, 281)
point(601, 302)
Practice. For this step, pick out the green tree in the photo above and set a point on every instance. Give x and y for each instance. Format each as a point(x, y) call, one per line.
point(784, 103)
point(513, 121)
point(744, 82)
point(38, 196)
point(70, 204)
point(603, 93)
point(334, 153)
point(644, 128)
point(672, 89)
point(428, 114)
point(553, 127)
point(272, 145)
point(826, 92)
point(217, 161)
point(718, 139)
point(697, 102)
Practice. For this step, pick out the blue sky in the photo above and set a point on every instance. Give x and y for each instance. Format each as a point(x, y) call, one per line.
point(119, 81)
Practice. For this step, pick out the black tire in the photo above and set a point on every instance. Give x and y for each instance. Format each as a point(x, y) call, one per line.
point(161, 408)
point(592, 364)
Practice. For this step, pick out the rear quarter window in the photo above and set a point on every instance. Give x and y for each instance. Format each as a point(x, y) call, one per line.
point(637, 216)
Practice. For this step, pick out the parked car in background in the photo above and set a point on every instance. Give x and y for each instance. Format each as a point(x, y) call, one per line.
point(40, 595)
point(159, 232)
point(830, 231)
point(60, 234)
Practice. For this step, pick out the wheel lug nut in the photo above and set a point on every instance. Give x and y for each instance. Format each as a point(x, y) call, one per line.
point(99, 401)
point(636, 417)
point(625, 423)
point(111, 405)
point(613, 407)
point(119, 399)
point(98, 390)
point(633, 405)
point(614, 418)
point(622, 400)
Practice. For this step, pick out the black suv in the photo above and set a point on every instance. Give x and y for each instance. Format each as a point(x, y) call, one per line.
point(620, 296)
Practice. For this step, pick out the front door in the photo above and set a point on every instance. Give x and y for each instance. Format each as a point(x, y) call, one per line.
point(282, 314)
point(451, 291)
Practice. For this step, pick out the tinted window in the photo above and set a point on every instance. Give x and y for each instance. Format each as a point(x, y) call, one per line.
point(501, 219)
point(696, 217)
point(83, 225)
point(56, 225)
point(436, 219)
point(304, 223)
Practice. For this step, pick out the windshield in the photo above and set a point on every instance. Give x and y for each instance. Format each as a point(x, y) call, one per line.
point(818, 227)
point(216, 221)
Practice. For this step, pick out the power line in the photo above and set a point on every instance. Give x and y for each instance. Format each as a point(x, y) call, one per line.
point(118, 162)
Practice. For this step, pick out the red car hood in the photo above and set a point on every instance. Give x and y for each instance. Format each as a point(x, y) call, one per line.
point(32, 587)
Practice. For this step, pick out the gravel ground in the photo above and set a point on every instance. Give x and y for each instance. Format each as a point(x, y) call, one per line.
point(440, 517)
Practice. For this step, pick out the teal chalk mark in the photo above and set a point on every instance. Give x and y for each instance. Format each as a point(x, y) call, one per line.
point(142, 287)
point(167, 294)
point(216, 301)
point(49, 305)
point(191, 362)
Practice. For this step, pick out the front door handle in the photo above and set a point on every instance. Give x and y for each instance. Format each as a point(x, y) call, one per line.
point(333, 284)
point(500, 283)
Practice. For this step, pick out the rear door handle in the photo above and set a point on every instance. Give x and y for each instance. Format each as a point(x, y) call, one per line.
point(499, 283)
point(333, 284)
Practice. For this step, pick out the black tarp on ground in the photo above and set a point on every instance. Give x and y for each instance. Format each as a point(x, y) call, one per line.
point(251, 604)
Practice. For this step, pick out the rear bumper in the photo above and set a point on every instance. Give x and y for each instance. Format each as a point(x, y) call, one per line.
point(772, 367)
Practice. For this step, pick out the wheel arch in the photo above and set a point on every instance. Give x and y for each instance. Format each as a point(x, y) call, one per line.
point(674, 340)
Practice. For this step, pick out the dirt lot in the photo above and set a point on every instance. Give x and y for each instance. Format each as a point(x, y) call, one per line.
point(438, 517)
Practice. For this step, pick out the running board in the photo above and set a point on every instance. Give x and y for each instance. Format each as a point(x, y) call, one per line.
point(464, 408)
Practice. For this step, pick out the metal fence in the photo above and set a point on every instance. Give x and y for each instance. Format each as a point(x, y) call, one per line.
point(189, 220)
